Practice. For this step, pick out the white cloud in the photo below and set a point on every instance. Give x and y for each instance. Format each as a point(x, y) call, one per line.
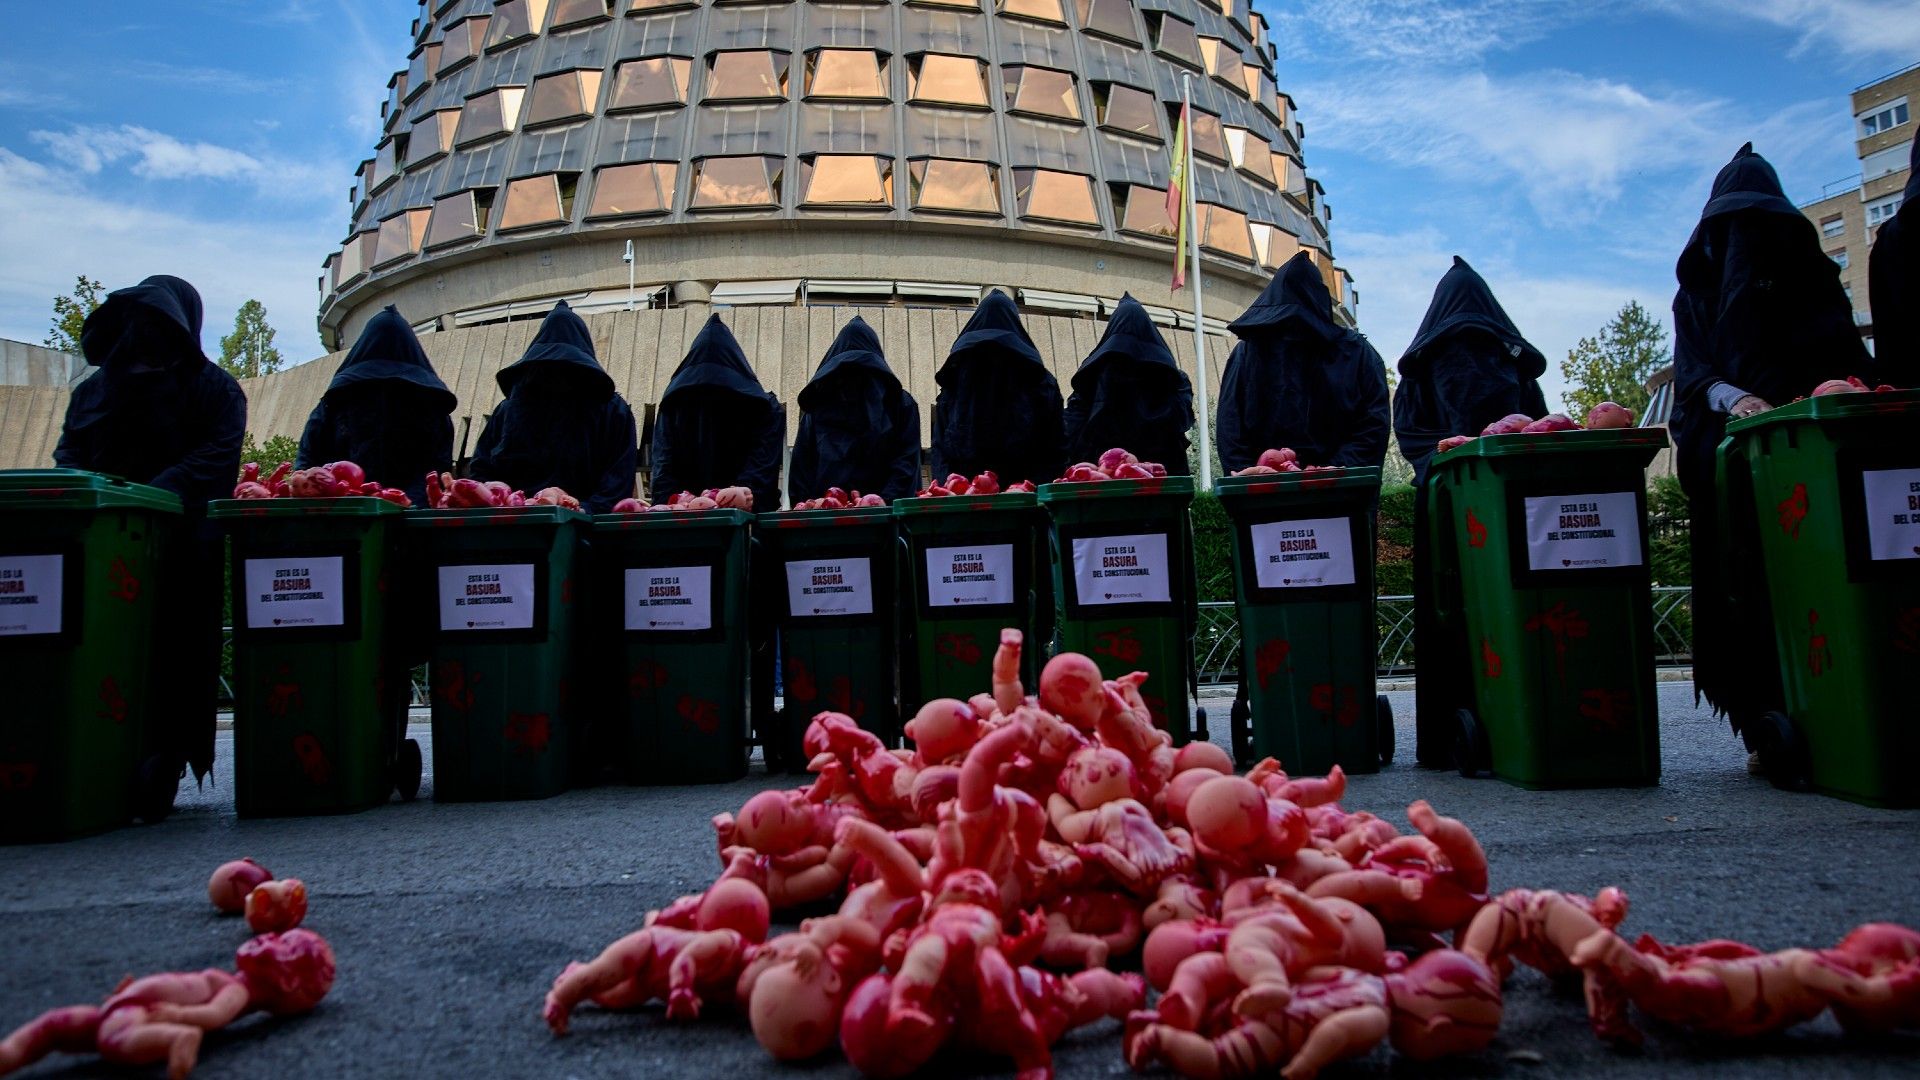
point(154, 155)
point(54, 227)
point(1425, 30)
point(1889, 28)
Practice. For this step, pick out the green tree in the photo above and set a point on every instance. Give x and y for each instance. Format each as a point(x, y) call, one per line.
point(1616, 365)
point(70, 313)
point(248, 352)
point(277, 449)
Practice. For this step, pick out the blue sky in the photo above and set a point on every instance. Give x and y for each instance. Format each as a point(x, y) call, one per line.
point(1562, 146)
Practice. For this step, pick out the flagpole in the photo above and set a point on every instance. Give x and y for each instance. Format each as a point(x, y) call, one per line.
point(1199, 321)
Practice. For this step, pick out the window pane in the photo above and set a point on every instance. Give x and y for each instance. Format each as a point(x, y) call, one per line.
point(490, 114)
point(846, 73)
point(1252, 154)
point(1047, 11)
point(531, 200)
point(658, 5)
point(728, 183)
point(1177, 40)
point(1124, 109)
point(400, 237)
point(965, 186)
point(650, 83)
point(1223, 62)
point(1225, 231)
point(1046, 195)
point(1145, 212)
point(561, 97)
point(747, 75)
point(433, 134)
point(463, 43)
point(458, 217)
point(515, 19)
point(623, 190)
point(569, 12)
point(1040, 92)
point(848, 180)
point(950, 80)
point(1112, 18)
point(964, 5)
point(1208, 138)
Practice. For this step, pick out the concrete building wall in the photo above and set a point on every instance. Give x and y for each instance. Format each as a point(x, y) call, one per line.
point(25, 364)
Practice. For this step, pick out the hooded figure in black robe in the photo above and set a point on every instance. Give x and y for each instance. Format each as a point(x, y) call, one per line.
point(859, 428)
point(1468, 366)
point(1760, 314)
point(159, 412)
point(1300, 380)
point(1893, 290)
point(385, 411)
point(999, 406)
point(717, 427)
point(1130, 393)
point(562, 424)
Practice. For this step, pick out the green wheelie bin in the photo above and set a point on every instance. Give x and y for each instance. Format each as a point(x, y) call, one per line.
point(81, 560)
point(1830, 487)
point(1303, 558)
point(834, 574)
point(670, 620)
point(975, 565)
point(320, 693)
point(1123, 573)
point(1541, 559)
point(502, 591)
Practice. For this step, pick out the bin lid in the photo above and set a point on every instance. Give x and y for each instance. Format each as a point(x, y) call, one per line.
point(1643, 442)
point(1298, 483)
point(670, 519)
point(1178, 486)
point(495, 515)
point(1905, 403)
point(827, 519)
point(951, 504)
point(345, 506)
point(77, 489)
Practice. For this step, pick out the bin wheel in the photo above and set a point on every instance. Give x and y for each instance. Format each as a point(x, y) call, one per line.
point(1470, 750)
point(1783, 750)
point(155, 786)
point(1383, 711)
point(1241, 723)
point(407, 770)
point(1200, 726)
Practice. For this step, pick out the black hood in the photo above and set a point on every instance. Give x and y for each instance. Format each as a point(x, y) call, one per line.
point(1747, 183)
point(1462, 302)
point(1296, 301)
point(388, 351)
point(157, 321)
point(855, 352)
point(994, 328)
point(563, 344)
point(717, 363)
point(1130, 335)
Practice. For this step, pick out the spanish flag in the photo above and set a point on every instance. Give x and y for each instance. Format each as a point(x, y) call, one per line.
point(1177, 199)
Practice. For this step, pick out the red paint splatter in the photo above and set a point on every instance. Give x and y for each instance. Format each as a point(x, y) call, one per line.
point(961, 650)
point(313, 759)
point(1271, 659)
point(1324, 696)
point(113, 705)
point(1476, 531)
point(1608, 709)
point(1819, 652)
point(800, 685)
point(566, 590)
point(1156, 708)
point(1120, 644)
point(18, 775)
point(1906, 631)
point(1564, 624)
point(1490, 662)
point(648, 676)
point(126, 586)
point(1793, 511)
point(283, 694)
point(452, 687)
point(840, 698)
point(702, 716)
point(529, 731)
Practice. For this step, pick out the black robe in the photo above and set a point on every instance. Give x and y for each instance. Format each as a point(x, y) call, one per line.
point(1130, 393)
point(562, 424)
point(859, 428)
point(999, 406)
point(1467, 367)
point(1760, 307)
point(1300, 380)
point(1893, 290)
point(717, 427)
point(385, 410)
point(159, 412)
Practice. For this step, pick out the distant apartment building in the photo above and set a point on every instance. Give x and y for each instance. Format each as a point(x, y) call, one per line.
point(1851, 213)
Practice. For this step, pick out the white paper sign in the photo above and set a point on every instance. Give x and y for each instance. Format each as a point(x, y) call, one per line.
point(487, 597)
point(298, 593)
point(1122, 570)
point(822, 587)
point(670, 598)
point(974, 576)
point(1893, 514)
point(1583, 532)
point(31, 590)
point(1308, 554)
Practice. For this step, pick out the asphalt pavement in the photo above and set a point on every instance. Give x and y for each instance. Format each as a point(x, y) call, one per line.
point(450, 921)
